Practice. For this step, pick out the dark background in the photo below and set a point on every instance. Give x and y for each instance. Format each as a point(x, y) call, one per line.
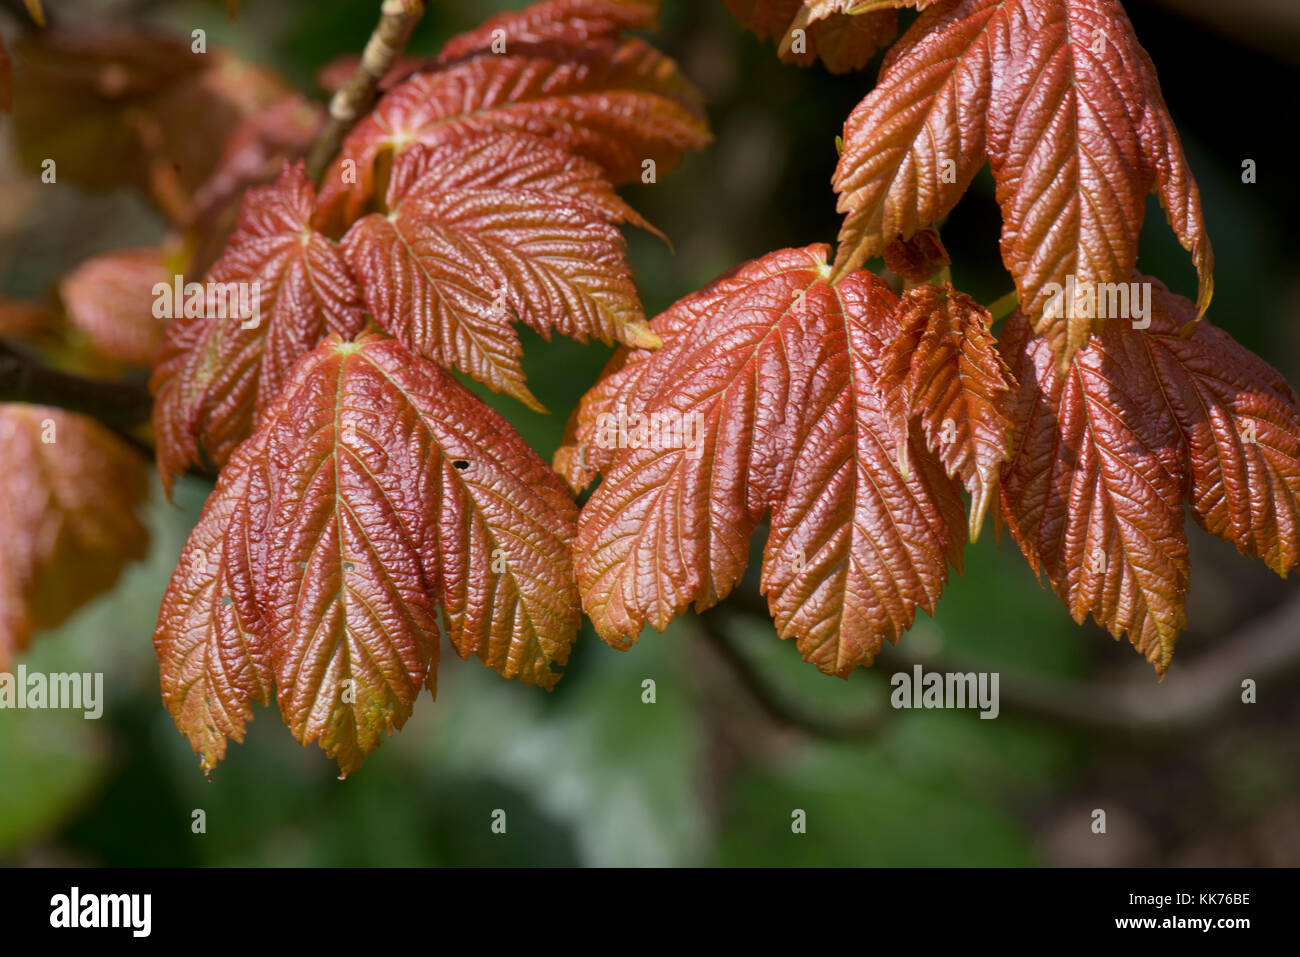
point(708, 775)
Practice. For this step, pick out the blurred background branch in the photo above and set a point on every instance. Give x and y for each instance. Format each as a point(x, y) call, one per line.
point(119, 405)
point(1199, 690)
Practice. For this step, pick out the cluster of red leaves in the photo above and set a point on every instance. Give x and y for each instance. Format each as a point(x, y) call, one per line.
point(1064, 104)
point(363, 491)
point(192, 131)
point(1108, 453)
point(1056, 95)
point(110, 108)
point(848, 416)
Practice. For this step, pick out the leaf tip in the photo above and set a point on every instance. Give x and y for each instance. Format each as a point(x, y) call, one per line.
point(639, 335)
point(1205, 296)
point(37, 12)
point(839, 270)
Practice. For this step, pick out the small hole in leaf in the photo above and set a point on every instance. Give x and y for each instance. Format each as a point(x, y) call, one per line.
point(461, 464)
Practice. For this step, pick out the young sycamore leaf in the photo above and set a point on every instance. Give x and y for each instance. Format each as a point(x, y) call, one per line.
point(210, 639)
point(110, 298)
point(553, 21)
point(487, 228)
point(220, 367)
point(566, 74)
point(780, 369)
point(845, 34)
point(128, 106)
point(919, 259)
point(375, 490)
point(944, 368)
point(1089, 496)
point(1066, 106)
point(70, 495)
point(253, 155)
point(1107, 454)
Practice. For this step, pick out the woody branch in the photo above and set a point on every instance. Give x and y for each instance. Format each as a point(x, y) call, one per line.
point(119, 405)
point(397, 18)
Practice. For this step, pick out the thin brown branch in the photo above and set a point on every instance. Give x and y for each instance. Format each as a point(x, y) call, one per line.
point(119, 405)
point(1195, 693)
point(397, 18)
point(776, 706)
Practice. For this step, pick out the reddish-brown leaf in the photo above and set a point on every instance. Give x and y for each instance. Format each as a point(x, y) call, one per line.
point(917, 259)
point(1240, 426)
point(70, 495)
point(350, 613)
point(553, 21)
point(856, 546)
point(1089, 494)
point(211, 640)
point(550, 21)
point(115, 106)
point(1147, 418)
point(1067, 106)
point(488, 229)
point(219, 369)
point(255, 153)
point(389, 491)
point(943, 367)
point(111, 298)
point(565, 74)
point(778, 371)
point(844, 34)
point(927, 109)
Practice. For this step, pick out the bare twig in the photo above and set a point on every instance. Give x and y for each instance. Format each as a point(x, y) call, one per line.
point(397, 18)
point(1196, 692)
point(778, 707)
